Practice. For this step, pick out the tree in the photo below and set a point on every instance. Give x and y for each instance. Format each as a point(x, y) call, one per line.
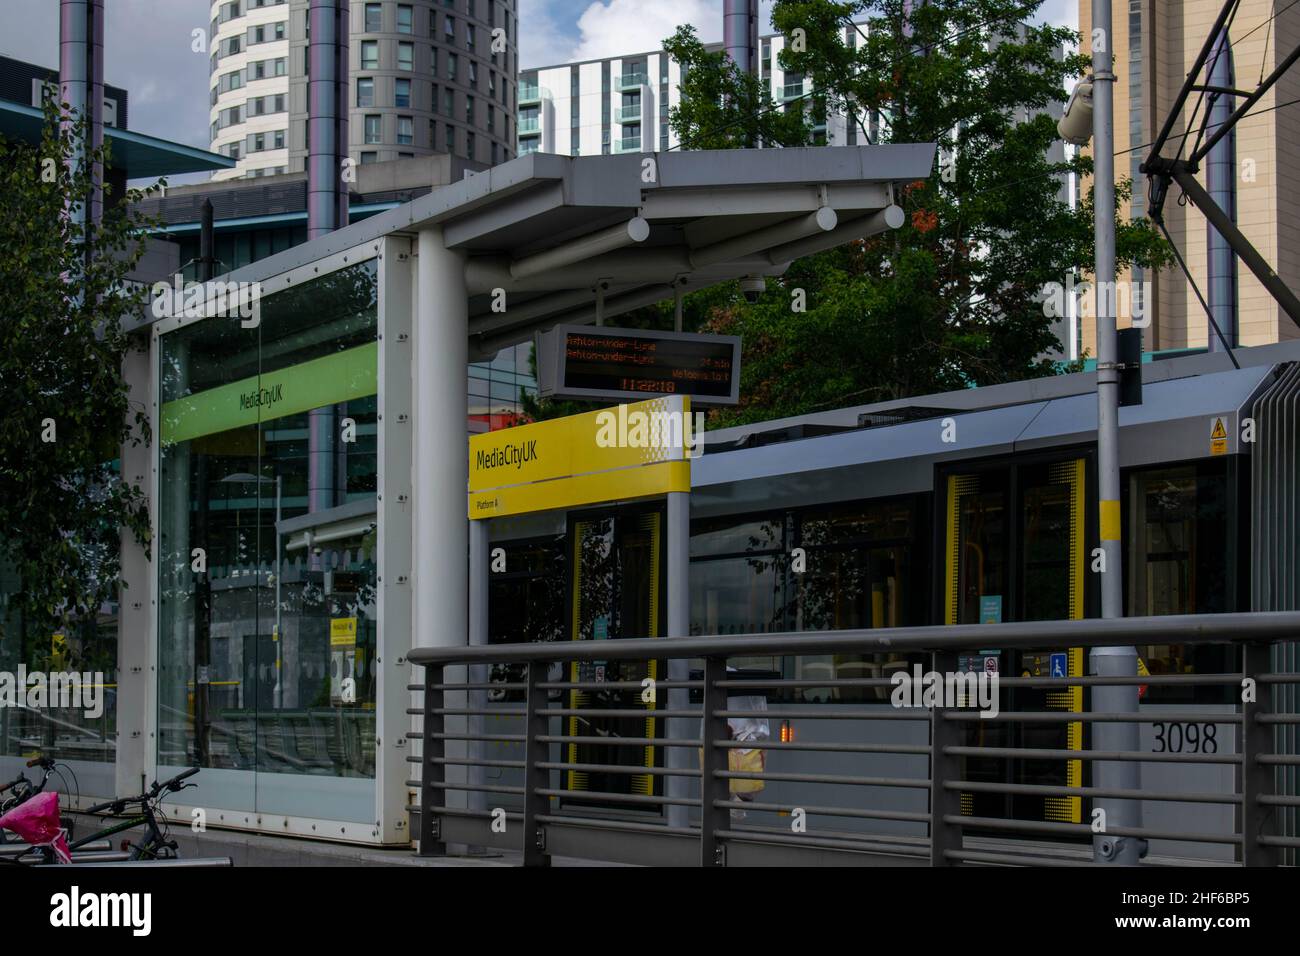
point(61, 350)
point(953, 298)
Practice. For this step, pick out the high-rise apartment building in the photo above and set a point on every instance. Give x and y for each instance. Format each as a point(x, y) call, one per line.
point(427, 76)
point(620, 104)
point(1156, 43)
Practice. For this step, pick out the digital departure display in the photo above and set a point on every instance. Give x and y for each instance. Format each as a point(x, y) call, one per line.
point(591, 362)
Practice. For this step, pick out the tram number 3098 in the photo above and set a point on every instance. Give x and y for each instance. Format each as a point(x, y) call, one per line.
point(1185, 738)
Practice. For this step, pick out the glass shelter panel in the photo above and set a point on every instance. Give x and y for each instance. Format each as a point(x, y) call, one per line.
point(267, 482)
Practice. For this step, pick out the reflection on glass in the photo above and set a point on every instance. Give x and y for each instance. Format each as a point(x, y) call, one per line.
point(1178, 564)
point(64, 733)
point(266, 548)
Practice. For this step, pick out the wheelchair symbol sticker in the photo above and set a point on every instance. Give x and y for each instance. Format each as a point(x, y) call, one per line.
point(1058, 665)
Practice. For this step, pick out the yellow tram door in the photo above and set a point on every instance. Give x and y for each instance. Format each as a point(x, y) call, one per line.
point(617, 578)
point(1015, 550)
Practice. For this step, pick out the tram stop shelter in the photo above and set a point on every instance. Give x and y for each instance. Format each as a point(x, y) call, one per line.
point(308, 469)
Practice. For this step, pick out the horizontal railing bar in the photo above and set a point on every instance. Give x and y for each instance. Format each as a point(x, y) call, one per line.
point(1080, 681)
point(1026, 753)
point(1035, 826)
point(1069, 717)
point(619, 768)
point(475, 814)
point(849, 812)
point(1270, 800)
point(862, 846)
point(486, 738)
point(754, 684)
point(1014, 859)
point(602, 823)
point(468, 712)
point(635, 712)
point(1293, 842)
point(1044, 790)
point(1236, 628)
point(489, 685)
point(901, 713)
point(633, 798)
point(620, 685)
point(909, 783)
point(1277, 719)
point(1279, 760)
point(476, 787)
point(814, 745)
point(618, 741)
point(466, 762)
point(1283, 678)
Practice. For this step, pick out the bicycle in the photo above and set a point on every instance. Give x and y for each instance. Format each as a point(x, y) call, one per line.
point(155, 845)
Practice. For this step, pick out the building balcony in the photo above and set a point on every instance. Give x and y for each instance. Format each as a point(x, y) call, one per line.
point(792, 91)
point(529, 126)
point(629, 82)
point(628, 114)
point(628, 144)
point(529, 94)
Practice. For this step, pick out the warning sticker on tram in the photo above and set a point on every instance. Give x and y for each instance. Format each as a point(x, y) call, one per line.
point(1218, 437)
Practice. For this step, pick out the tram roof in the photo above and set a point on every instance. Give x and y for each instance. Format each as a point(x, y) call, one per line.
point(891, 448)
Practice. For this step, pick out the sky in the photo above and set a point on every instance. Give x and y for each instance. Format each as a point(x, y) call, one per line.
point(149, 44)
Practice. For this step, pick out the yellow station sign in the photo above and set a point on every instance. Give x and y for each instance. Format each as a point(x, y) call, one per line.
point(614, 454)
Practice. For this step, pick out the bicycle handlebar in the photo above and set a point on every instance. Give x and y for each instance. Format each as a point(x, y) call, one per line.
point(101, 807)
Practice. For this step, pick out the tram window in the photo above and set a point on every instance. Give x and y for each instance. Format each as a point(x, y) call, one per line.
point(982, 557)
point(857, 575)
point(1178, 564)
point(526, 602)
point(1051, 553)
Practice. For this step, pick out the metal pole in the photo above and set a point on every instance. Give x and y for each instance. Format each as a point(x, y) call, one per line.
point(679, 623)
point(1121, 661)
point(479, 564)
point(279, 635)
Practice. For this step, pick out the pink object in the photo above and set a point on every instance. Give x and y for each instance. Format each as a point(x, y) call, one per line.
point(37, 822)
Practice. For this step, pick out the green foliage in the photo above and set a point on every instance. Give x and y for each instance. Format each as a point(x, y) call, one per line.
point(953, 298)
point(62, 502)
point(723, 108)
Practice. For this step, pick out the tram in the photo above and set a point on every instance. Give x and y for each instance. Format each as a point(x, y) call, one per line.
point(966, 507)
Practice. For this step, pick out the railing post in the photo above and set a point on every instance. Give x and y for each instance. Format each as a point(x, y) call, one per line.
point(712, 787)
point(535, 777)
point(943, 768)
point(432, 749)
point(1257, 778)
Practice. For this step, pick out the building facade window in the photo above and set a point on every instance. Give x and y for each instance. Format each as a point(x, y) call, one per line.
point(405, 56)
point(405, 130)
point(372, 125)
point(369, 54)
point(374, 17)
point(405, 18)
point(402, 93)
point(365, 91)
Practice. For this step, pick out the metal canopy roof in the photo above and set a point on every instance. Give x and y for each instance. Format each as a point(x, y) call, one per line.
point(548, 228)
point(140, 156)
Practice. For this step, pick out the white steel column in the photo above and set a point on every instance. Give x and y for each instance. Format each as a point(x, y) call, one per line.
point(393, 505)
point(136, 620)
point(441, 476)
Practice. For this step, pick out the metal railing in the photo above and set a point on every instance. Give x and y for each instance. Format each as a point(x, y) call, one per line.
point(903, 786)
